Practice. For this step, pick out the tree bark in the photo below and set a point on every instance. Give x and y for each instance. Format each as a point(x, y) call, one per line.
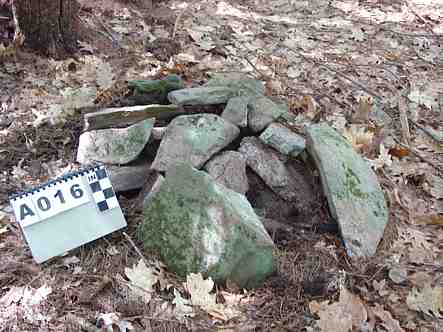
point(49, 26)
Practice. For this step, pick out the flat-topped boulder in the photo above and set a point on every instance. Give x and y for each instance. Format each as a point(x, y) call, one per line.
point(193, 139)
point(242, 84)
point(198, 225)
point(355, 197)
point(115, 145)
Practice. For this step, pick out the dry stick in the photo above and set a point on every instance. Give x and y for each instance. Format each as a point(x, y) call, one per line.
point(417, 154)
point(405, 132)
point(136, 248)
point(424, 130)
point(359, 85)
point(177, 20)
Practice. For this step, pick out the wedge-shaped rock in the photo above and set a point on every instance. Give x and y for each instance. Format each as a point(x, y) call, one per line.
point(126, 178)
point(268, 164)
point(229, 169)
point(197, 225)
point(201, 96)
point(194, 139)
point(114, 146)
point(261, 112)
point(153, 91)
point(236, 111)
point(355, 197)
point(283, 140)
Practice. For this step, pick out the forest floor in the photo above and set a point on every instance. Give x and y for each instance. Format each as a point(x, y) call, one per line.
point(329, 60)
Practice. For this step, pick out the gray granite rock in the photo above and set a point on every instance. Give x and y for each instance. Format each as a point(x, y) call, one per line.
point(194, 139)
point(114, 146)
point(229, 169)
point(199, 226)
point(261, 112)
point(242, 84)
point(236, 111)
point(201, 96)
point(270, 166)
point(355, 197)
point(283, 140)
point(124, 178)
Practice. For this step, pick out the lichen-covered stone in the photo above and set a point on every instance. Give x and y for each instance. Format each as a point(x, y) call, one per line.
point(355, 197)
point(194, 139)
point(197, 225)
point(229, 169)
point(124, 178)
point(268, 164)
point(114, 146)
point(283, 140)
point(154, 91)
point(242, 84)
point(261, 112)
point(236, 111)
point(201, 96)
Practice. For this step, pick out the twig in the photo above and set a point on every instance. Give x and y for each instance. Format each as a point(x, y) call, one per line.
point(417, 154)
point(405, 132)
point(426, 35)
point(177, 20)
point(135, 247)
point(359, 85)
point(425, 130)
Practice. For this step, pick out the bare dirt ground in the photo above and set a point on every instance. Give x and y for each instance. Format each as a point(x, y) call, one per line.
point(328, 60)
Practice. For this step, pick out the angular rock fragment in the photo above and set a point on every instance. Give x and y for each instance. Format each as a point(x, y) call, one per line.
point(267, 164)
point(261, 112)
point(355, 197)
point(242, 84)
point(236, 111)
point(283, 140)
point(153, 91)
point(194, 139)
point(201, 96)
point(124, 178)
point(114, 146)
point(229, 169)
point(197, 225)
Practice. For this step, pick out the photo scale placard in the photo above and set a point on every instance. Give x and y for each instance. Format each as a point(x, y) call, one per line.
point(67, 212)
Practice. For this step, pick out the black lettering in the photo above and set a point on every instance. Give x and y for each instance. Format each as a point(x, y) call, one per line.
point(25, 211)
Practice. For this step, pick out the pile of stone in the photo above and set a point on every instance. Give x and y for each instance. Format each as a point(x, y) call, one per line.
point(195, 171)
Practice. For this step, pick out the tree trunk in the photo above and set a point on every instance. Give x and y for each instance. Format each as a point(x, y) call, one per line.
point(49, 26)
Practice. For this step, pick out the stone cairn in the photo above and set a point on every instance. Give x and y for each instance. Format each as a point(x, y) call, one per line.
point(209, 179)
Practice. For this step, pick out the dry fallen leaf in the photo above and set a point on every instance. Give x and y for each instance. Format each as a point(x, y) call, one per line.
point(387, 321)
point(201, 296)
point(359, 137)
point(428, 300)
point(340, 316)
point(364, 109)
point(142, 280)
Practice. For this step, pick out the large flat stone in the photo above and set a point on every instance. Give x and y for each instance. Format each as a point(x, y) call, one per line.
point(268, 164)
point(201, 96)
point(197, 225)
point(229, 169)
point(242, 84)
point(283, 140)
point(114, 146)
point(355, 197)
point(194, 139)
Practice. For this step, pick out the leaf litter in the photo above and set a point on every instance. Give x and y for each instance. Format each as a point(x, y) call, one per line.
point(335, 61)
